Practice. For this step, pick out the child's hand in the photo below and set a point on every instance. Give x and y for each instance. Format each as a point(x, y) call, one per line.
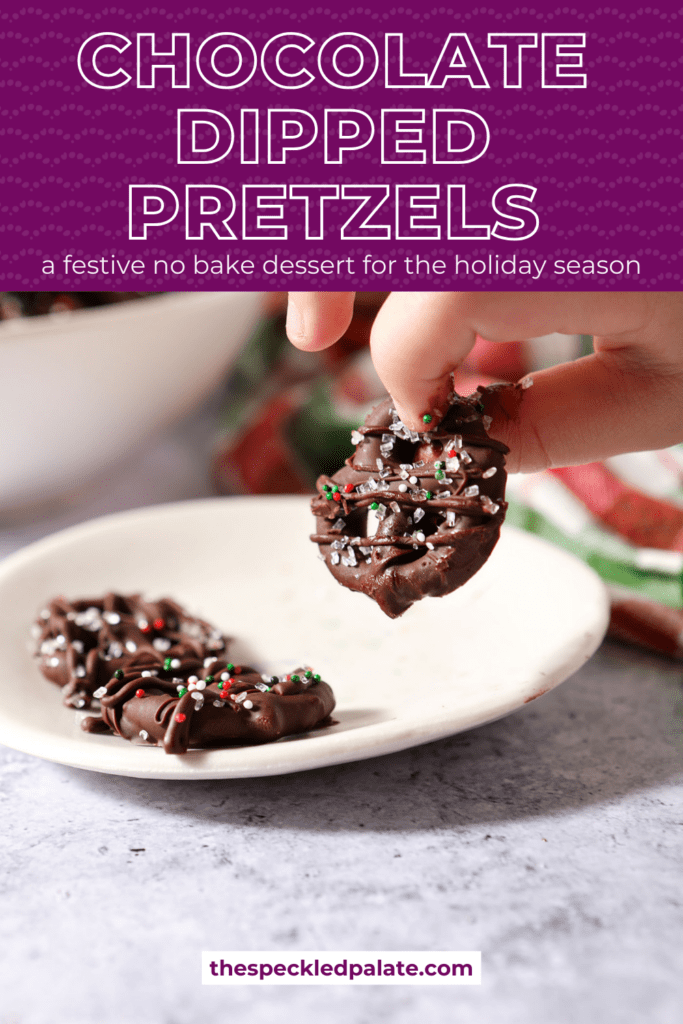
point(627, 396)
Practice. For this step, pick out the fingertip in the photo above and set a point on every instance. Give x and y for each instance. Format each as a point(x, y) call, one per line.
point(316, 320)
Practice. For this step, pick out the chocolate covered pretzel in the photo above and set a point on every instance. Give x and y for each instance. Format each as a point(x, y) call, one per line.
point(207, 703)
point(80, 644)
point(413, 513)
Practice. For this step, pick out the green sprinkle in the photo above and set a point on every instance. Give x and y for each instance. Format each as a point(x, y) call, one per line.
point(209, 679)
point(438, 475)
point(374, 506)
point(316, 678)
point(118, 674)
point(326, 487)
point(182, 691)
point(308, 675)
point(335, 489)
point(428, 495)
point(229, 667)
point(295, 678)
point(426, 418)
point(328, 495)
point(167, 664)
point(438, 465)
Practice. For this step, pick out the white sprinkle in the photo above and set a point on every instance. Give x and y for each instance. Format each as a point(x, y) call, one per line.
point(143, 734)
point(113, 618)
point(418, 514)
point(414, 436)
point(225, 676)
point(413, 480)
point(80, 671)
point(45, 614)
point(80, 703)
point(208, 661)
point(192, 679)
point(201, 684)
point(160, 643)
point(487, 421)
point(372, 483)
point(77, 646)
point(196, 695)
point(219, 703)
point(338, 525)
point(100, 692)
point(263, 687)
point(471, 492)
point(403, 488)
point(453, 464)
point(488, 473)
point(131, 646)
point(381, 511)
point(356, 437)
point(180, 685)
point(420, 536)
point(457, 441)
point(430, 545)
point(489, 505)
point(175, 663)
point(526, 383)
point(335, 557)
point(53, 662)
point(465, 457)
point(143, 623)
point(450, 518)
point(444, 494)
point(394, 506)
point(239, 698)
point(146, 674)
point(248, 705)
point(380, 464)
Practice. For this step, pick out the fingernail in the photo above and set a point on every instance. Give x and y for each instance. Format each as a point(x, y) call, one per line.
point(295, 321)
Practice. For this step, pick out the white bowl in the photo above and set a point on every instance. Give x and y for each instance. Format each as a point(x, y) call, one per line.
point(81, 390)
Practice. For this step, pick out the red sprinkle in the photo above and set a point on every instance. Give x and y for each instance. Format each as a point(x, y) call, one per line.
point(348, 488)
point(139, 693)
point(146, 629)
point(237, 669)
point(337, 496)
point(158, 623)
point(180, 717)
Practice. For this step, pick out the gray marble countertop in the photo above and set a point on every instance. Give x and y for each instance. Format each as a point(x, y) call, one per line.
point(552, 841)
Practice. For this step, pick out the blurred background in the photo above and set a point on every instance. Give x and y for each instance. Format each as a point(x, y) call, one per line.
point(118, 400)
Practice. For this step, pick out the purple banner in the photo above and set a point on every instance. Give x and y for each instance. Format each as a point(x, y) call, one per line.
point(277, 148)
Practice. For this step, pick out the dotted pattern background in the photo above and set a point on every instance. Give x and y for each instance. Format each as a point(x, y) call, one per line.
point(606, 161)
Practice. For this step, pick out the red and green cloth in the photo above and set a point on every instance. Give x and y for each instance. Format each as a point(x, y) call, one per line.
point(289, 415)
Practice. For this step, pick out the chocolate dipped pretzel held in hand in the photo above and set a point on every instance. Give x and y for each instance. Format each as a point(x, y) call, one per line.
point(413, 514)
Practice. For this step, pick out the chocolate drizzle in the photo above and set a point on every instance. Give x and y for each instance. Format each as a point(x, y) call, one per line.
point(437, 499)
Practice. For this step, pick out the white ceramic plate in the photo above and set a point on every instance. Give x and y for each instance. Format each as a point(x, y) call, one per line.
point(530, 618)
